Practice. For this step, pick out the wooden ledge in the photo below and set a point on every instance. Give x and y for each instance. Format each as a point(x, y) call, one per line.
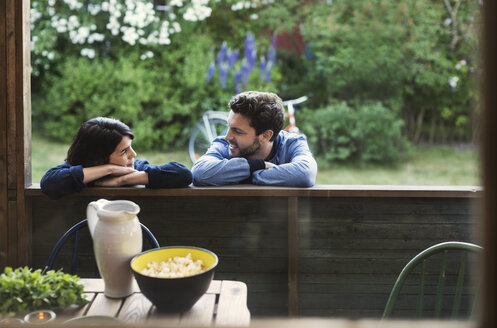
point(264, 191)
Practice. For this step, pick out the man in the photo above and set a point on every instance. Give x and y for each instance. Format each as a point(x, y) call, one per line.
point(255, 150)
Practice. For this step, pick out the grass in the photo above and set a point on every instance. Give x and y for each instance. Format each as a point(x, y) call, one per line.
point(428, 165)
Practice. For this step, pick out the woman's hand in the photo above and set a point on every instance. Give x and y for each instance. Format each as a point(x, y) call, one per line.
point(96, 172)
point(117, 170)
point(133, 178)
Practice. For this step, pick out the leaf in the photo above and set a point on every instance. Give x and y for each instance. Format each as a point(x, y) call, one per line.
point(23, 290)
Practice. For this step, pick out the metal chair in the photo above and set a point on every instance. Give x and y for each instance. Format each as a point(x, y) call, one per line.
point(462, 248)
point(74, 232)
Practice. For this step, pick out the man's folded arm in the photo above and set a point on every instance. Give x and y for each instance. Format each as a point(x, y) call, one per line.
point(301, 171)
point(210, 171)
point(215, 169)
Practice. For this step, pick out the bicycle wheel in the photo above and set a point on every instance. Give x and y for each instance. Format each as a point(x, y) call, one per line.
point(199, 141)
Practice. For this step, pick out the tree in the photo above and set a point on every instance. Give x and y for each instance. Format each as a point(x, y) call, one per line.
point(417, 57)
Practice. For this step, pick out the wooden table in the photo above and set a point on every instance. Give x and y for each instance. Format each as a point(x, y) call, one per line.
point(224, 303)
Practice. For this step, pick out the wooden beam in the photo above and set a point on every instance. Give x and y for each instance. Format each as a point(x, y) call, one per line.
point(11, 17)
point(489, 71)
point(327, 191)
point(23, 132)
point(3, 135)
point(293, 248)
point(15, 106)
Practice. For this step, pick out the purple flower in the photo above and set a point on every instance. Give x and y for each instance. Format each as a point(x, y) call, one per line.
point(237, 81)
point(246, 70)
point(271, 51)
point(229, 62)
point(221, 54)
point(247, 45)
point(262, 68)
point(210, 72)
point(250, 50)
point(232, 57)
point(222, 75)
point(268, 73)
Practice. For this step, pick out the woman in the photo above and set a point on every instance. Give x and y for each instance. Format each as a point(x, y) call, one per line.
point(101, 155)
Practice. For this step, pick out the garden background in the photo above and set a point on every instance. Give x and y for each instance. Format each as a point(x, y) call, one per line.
point(394, 98)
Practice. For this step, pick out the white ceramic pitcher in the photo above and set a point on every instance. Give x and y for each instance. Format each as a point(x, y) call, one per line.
point(117, 237)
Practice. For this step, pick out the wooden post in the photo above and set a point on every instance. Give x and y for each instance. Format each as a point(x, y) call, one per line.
point(489, 298)
point(3, 135)
point(15, 131)
point(293, 304)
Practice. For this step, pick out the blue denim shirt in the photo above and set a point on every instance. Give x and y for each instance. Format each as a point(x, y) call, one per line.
point(295, 165)
point(65, 179)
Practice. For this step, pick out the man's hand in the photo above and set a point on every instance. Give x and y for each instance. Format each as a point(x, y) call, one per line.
point(269, 165)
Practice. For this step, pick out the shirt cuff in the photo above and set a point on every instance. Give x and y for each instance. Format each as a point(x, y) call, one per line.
point(78, 176)
point(256, 164)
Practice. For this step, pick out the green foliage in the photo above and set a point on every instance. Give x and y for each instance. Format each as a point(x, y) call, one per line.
point(125, 89)
point(369, 133)
point(23, 290)
point(379, 134)
point(414, 54)
point(417, 58)
point(160, 97)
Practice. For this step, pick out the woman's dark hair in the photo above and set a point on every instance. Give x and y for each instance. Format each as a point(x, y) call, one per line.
point(263, 109)
point(96, 140)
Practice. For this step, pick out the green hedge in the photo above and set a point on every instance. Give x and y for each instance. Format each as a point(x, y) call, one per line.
point(368, 133)
point(160, 98)
point(408, 56)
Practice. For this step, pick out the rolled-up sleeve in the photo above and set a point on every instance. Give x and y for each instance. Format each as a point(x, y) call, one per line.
point(216, 168)
point(63, 180)
point(169, 175)
point(298, 168)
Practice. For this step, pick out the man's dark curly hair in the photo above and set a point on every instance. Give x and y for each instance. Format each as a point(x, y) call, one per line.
point(264, 110)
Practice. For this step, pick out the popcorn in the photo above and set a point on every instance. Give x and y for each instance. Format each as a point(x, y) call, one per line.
point(175, 267)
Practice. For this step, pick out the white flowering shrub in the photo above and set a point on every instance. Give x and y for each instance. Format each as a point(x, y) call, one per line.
point(142, 61)
point(90, 27)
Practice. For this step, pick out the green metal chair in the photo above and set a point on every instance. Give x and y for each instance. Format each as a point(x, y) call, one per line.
point(421, 259)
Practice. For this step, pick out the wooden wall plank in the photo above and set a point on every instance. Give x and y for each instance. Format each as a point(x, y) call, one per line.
point(348, 248)
point(489, 74)
point(3, 136)
point(24, 120)
point(293, 256)
point(23, 130)
point(15, 89)
point(11, 235)
point(12, 85)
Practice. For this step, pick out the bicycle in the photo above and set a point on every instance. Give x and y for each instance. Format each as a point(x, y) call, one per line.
point(215, 123)
point(292, 127)
point(211, 125)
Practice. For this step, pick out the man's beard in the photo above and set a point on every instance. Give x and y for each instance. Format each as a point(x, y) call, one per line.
point(249, 150)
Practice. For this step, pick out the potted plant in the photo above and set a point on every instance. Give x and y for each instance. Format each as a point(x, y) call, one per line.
point(23, 290)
